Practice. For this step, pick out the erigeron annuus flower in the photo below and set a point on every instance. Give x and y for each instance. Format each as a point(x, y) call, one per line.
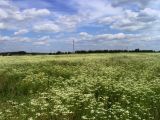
point(30, 118)
point(38, 114)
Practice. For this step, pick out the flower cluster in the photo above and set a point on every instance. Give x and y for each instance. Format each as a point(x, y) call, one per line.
point(80, 87)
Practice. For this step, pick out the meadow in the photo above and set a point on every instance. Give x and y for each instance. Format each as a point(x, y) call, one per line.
point(124, 86)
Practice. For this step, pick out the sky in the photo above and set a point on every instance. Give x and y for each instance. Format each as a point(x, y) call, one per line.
point(52, 25)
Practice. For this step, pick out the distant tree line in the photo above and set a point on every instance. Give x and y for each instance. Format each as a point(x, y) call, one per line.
point(113, 51)
point(77, 52)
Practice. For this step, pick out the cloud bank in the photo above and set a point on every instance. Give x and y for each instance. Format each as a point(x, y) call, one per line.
point(53, 23)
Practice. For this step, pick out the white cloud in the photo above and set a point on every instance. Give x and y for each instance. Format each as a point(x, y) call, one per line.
point(44, 38)
point(139, 3)
point(4, 38)
point(20, 32)
point(15, 39)
point(111, 36)
point(28, 14)
point(42, 41)
point(84, 34)
point(3, 14)
point(46, 27)
point(106, 20)
point(3, 25)
point(18, 16)
point(97, 8)
point(4, 2)
point(14, 13)
point(21, 39)
point(128, 25)
point(151, 12)
point(125, 17)
point(69, 23)
point(116, 37)
point(132, 21)
point(37, 19)
point(33, 12)
point(13, 18)
point(114, 14)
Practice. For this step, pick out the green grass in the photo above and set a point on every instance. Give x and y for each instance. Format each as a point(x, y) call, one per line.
point(121, 86)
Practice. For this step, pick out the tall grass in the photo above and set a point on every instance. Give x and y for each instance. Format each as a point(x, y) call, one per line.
point(77, 87)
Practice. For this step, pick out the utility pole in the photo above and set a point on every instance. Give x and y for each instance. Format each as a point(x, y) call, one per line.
point(2, 48)
point(73, 47)
point(127, 49)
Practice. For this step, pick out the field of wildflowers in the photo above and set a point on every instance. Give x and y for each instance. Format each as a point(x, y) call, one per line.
point(123, 86)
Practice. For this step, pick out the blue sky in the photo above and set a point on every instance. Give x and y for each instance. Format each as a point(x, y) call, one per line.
point(52, 25)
